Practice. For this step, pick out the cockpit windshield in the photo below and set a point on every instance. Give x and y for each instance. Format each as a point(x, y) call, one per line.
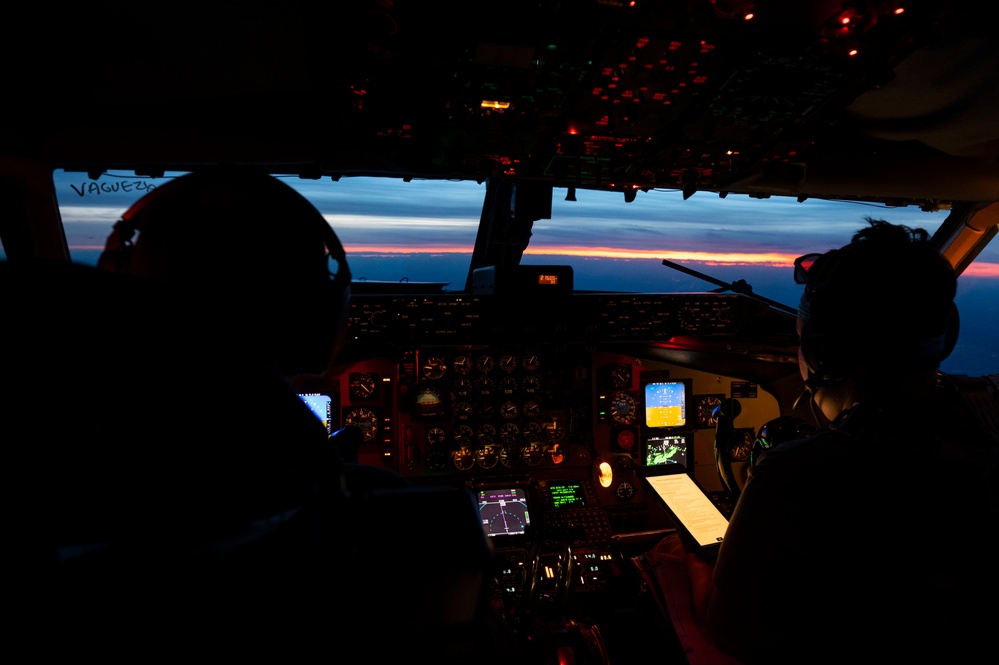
point(422, 233)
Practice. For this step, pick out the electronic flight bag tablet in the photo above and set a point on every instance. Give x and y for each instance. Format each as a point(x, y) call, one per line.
point(698, 521)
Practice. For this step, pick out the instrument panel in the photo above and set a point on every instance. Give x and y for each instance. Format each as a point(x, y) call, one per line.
point(473, 390)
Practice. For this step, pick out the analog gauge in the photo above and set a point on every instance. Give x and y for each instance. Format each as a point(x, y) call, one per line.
point(463, 435)
point(463, 458)
point(530, 362)
point(508, 363)
point(556, 452)
point(625, 465)
point(486, 434)
point(485, 409)
point(531, 385)
point(532, 454)
point(624, 490)
point(625, 439)
point(508, 434)
point(427, 402)
point(461, 410)
point(705, 410)
point(531, 408)
point(461, 388)
point(363, 386)
point(485, 363)
point(742, 447)
point(508, 385)
point(487, 456)
point(365, 420)
point(620, 376)
point(485, 386)
point(437, 459)
point(436, 435)
point(508, 456)
point(462, 363)
point(623, 407)
point(508, 410)
point(532, 432)
point(554, 429)
point(433, 367)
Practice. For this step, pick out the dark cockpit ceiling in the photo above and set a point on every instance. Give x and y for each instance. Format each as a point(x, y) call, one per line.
point(892, 101)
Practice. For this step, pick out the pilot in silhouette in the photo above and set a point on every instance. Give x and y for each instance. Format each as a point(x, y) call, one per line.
point(873, 539)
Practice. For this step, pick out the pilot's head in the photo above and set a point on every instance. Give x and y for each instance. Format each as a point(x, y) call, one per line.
point(877, 310)
point(251, 259)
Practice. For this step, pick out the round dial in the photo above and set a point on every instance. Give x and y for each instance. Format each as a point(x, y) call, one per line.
point(362, 386)
point(485, 363)
point(625, 439)
point(485, 386)
point(462, 363)
point(620, 376)
point(508, 410)
point(437, 459)
point(623, 407)
point(427, 402)
point(556, 452)
point(436, 435)
point(530, 362)
point(741, 449)
point(463, 458)
point(486, 434)
point(433, 367)
point(705, 410)
point(487, 456)
point(531, 408)
point(508, 363)
point(532, 432)
point(554, 429)
point(624, 490)
point(463, 435)
point(508, 434)
point(508, 456)
point(533, 454)
point(365, 420)
point(508, 385)
point(461, 388)
point(531, 385)
point(462, 410)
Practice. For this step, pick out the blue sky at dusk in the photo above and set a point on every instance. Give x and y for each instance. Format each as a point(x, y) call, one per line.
point(424, 231)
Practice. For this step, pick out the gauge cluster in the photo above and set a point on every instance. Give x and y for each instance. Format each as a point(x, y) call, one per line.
point(537, 412)
point(487, 409)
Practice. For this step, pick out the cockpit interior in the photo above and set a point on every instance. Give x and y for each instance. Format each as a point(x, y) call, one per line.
point(542, 401)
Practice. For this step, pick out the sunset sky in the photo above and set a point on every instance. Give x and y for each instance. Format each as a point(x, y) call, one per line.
point(423, 231)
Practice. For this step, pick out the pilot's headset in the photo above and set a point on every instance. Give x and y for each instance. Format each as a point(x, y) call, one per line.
point(854, 309)
point(224, 191)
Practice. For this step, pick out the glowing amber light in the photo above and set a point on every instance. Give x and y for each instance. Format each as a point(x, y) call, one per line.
point(606, 474)
point(491, 104)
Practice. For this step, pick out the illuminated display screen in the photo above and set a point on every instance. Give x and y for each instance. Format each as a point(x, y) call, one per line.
point(504, 511)
point(565, 495)
point(321, 406)
point(666, 404)
point(666, 450)
point(550, 280)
